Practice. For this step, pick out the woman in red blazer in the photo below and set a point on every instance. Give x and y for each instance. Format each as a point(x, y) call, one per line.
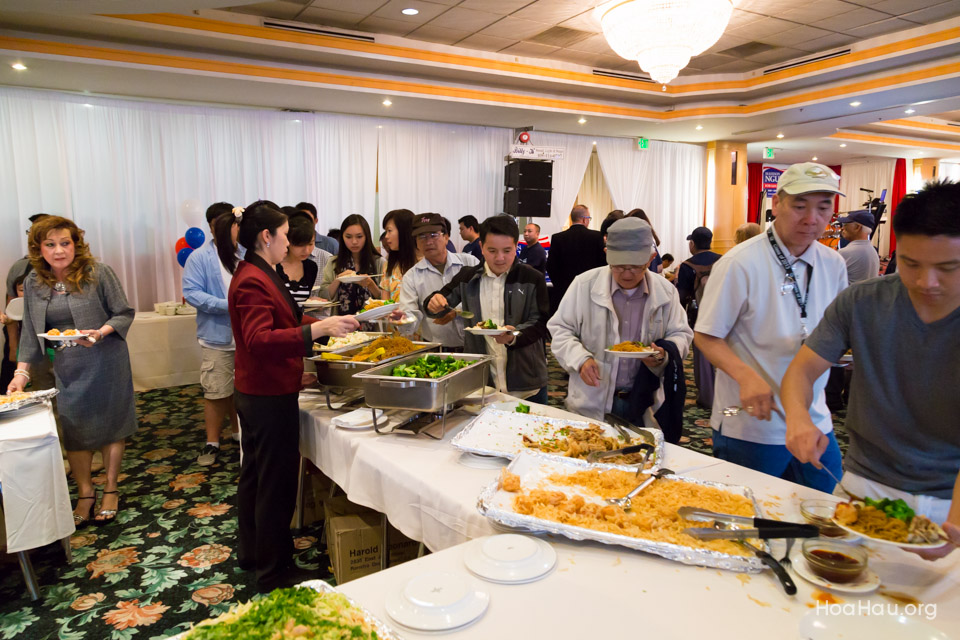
point(272, 339)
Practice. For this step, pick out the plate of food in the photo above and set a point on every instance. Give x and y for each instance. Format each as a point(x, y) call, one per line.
point(376, 309)
point(890, 522)
point(631, 349)
point(487, 328)
point(313, 609)
point(497, 432)
point(55, 335)
point(350, 277)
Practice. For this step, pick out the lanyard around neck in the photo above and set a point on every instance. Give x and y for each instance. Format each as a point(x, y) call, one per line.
point(791, 276)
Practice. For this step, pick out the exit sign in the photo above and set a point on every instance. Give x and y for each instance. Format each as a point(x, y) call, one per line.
point(643, 143)
point(768, 153)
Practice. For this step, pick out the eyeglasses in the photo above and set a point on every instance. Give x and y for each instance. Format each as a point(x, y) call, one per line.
point(587, 218)
point(428, 236)
point(621, 268)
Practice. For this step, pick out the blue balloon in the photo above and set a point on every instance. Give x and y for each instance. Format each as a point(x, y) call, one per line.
point(194, 237)
point(183, 254)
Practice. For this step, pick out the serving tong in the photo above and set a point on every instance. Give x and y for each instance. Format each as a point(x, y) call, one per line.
point(761, 528)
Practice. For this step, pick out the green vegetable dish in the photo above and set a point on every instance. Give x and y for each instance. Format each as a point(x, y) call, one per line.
point(289, 613)
point(488, 324)
point(522, 408)
point(893, 508)
point(429, 367)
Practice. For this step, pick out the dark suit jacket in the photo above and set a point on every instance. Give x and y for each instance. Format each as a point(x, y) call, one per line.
point(271, 334)
point(572, 252)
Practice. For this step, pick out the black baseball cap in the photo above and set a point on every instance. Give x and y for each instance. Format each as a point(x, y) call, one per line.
point(428, 223)
point(701, 236)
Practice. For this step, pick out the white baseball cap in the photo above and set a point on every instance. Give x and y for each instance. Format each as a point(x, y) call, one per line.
point(808, 177)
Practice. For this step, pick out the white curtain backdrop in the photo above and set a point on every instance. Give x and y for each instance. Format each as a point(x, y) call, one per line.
point(594, 193)
point(134, 175)
point(568, 175)
point(949, 171)
point(666, 181)
point(873, 174)
point(453, 170)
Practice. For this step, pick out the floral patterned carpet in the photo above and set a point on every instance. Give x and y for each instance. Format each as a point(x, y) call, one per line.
point(169, 560)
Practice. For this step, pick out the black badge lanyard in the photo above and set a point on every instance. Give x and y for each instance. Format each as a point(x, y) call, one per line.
point(792, 278)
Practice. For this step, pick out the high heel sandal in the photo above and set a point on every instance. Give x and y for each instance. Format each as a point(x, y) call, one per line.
point(77, 518)
point(105, 516)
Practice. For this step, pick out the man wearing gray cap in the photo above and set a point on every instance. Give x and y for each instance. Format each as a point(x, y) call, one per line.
point(765, 297)
point(622, 301)
point(862, 260)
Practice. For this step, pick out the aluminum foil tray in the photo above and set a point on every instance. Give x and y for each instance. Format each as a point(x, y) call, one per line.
point(533, 469)
point(383, 630)
point(33, 398)
point(495, 432)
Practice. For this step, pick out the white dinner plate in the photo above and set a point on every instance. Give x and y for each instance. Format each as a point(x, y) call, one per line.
point(320, 304)
point(376, 313)
point(437, 601)
point(60, 338)
point(355, 279)
point(509, 558)
point(631, 354)
point(876, 627)
point(902, 545)
point(15, 309)
point(358, 419)
point(477, 461)
point(486, 332)
point(866, 583)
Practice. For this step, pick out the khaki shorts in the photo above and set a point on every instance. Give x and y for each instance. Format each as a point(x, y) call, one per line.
point(216, 373)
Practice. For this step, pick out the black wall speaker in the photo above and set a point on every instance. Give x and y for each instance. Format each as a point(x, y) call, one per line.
point(527, 203)
point(528, 174)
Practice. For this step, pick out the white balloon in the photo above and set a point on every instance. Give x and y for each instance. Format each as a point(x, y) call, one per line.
point(192, 213)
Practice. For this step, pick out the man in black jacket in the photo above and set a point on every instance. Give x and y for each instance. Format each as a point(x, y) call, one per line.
point(511, 295)
point(572, 252)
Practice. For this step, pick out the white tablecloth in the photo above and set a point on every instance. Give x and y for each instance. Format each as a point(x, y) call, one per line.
point(164, 351)
point(416, 481)
point(599, 591)
point(36, 502)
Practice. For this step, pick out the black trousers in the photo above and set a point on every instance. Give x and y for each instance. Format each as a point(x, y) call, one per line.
point(268, 482)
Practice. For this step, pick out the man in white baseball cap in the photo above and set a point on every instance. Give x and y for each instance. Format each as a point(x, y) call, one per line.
point(764, 298)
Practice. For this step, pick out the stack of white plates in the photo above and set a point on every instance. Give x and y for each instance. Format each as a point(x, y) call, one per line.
point(438, 601)
point(358, 420)
point(510, 558)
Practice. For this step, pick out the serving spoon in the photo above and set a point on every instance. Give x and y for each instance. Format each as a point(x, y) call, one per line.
point(625, 502)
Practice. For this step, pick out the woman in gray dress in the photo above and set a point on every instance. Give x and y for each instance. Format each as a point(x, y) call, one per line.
point(69, 289)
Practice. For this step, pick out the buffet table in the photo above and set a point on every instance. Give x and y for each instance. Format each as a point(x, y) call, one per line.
point(164, 351)
point(596, 590)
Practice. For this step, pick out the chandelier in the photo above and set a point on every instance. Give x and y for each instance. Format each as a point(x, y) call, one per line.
point(662, 35)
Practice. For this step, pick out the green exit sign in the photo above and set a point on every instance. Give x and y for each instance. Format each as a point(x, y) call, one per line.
point(643, 143)
point(768, 153)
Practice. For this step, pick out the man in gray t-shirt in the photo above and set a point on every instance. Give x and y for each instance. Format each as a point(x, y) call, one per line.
point(904, 329)
point(862, 260)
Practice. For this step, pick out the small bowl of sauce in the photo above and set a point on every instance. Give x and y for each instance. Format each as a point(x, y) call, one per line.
point(834, 561)
point(820, 513)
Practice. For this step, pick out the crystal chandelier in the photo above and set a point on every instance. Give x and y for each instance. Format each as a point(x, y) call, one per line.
point(662, 35)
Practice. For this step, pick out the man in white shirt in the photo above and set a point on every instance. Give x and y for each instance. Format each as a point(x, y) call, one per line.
point(436, 269)
point(862, 259)
point(764, 298)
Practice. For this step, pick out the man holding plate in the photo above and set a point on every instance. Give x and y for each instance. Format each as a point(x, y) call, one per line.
point(623, 301)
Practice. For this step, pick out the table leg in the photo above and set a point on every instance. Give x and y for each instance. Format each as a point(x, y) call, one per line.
point(298, 514)
point(422, 549)
point(28, 575)
point(384, 549)
point(67, 549)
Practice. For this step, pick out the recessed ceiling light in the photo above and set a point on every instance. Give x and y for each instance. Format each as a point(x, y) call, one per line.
point(19, 66)
point(855, 103)
point(699, 127)
point(843, 145)
point(594, 142)
point(908, 111)
point(387, 102)
point(582, 120)
point(779, 136)
point(814, 158)
point(410, 12)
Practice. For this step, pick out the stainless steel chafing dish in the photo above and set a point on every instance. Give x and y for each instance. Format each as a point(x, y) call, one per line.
point(427, 395)
point(340, 373)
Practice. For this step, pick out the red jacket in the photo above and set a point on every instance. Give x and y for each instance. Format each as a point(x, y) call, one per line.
point(272, 338)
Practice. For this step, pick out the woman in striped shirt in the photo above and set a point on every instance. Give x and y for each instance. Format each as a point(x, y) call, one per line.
point(297, 270)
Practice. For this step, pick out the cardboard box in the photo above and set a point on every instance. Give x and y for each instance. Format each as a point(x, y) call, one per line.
point(316, 488)
point(354, 539)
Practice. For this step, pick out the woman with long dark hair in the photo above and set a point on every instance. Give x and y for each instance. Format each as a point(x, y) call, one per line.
point(297, 270)
point(403, 253)
point(356, 257)
point(272, 338)
point(657, 265)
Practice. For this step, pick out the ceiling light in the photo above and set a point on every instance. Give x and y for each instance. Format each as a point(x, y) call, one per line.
point(843, 145)
point(855, 103)
point(19, 66)
point(909, 111)
point(582, 120)
point(699, 127)
point(387, 102)
point(662, 35)
point(779, 136)
point(594, 142)
point(410, 12)
point(814, 158)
